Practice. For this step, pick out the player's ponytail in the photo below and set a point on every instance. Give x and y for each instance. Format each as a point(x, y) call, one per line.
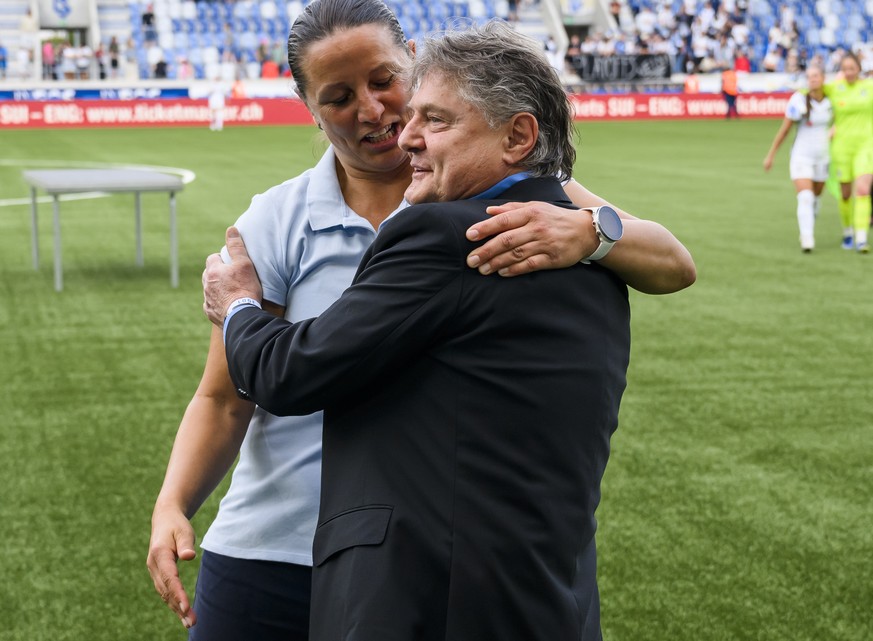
point(808, 108)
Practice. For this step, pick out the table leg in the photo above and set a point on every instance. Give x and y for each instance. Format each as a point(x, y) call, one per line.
point(139, 260)
point(174, 244)
point(34, 229)
point(59, 276)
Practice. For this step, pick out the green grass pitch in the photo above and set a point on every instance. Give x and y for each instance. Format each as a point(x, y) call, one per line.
point(738, 503)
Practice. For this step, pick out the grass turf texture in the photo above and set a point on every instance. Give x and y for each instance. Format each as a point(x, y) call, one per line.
point(737, 501)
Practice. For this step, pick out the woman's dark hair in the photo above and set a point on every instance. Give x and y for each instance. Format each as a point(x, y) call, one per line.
point(323, 18)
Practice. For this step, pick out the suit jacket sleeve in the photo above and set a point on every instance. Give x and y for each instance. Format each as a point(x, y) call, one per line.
point(405, 292)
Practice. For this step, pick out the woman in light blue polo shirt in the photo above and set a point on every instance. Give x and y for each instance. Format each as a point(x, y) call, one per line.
point(306, 238)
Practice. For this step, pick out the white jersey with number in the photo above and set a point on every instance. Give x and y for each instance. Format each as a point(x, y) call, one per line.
point(812, 128)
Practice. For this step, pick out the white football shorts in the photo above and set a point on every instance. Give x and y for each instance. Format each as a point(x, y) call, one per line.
point(810, 168)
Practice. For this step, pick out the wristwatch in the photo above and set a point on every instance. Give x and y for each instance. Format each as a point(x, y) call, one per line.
point(608, 227)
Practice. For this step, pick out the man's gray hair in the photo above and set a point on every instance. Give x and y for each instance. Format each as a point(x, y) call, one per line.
point(502, 73)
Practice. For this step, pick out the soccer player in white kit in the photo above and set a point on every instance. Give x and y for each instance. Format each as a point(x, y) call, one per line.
point(811, 111)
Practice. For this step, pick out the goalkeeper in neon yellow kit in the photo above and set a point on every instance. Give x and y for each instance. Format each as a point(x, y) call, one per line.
point(852, 150)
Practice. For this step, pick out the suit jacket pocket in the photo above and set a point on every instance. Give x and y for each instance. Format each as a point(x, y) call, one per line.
point(364, 525)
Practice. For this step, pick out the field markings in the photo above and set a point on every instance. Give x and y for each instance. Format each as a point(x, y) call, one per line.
point(186, 175)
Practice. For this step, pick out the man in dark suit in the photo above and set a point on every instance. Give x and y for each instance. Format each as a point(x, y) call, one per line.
point(467, 419)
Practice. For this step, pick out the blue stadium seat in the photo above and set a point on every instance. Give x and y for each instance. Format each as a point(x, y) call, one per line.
point(460, 9)
point(415, 9)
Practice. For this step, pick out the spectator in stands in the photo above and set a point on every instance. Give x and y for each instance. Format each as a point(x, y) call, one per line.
point(67, 54)
point(161, 70)
point(723, 52)
point(553, 55)
point(23, 61)
point(148, 24)
point(184, 70)
point(646, 21)
point(740, 33)
point(682, 60)
point(28, 36)
point(605, 45)
point(786, 17)
point(114, 52)
point(706, 16)
point(154, 55)
point(269, 69)
point(666, 18)
point(349, 77)
point(622, 46)
point(227, 37)
point(262, 53)
point(100, 59)
point(131, 70)
point(84, 57)
point(575, 48)
point(742, 64)
point(4, 57)
point(277, 55)
point(699, 47)
point(721, 21)
point(615, 11)
point(48, 61)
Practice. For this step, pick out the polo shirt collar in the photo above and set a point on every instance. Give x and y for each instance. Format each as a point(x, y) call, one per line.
point(324, 198)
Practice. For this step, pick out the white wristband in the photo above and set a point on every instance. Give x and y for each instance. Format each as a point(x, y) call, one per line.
point(239, 302)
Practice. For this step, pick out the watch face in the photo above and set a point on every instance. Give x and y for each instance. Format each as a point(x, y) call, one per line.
point(609, 223)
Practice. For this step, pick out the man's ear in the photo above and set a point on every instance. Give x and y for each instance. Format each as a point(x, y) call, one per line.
point(411, 45)
point(522, 132)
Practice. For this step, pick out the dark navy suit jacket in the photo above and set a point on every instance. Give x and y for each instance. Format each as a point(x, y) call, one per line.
point(466, 430)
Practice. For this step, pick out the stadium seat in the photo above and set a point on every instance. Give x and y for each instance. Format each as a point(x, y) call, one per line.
point(248, 40)
point(174, 10)
point(850, 37)
point(210, 55)
point(253, 70)
point(827, 37)
point(268, 10)
point(294, 9)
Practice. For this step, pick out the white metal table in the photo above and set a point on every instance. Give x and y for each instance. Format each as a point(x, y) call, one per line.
point(56, 182)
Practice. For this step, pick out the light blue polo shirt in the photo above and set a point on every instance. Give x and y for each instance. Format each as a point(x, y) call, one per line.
point(306, 245)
